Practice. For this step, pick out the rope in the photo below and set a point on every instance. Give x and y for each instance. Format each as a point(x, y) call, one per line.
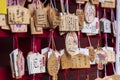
point(89, 41)
point(106, 41)
point(113, 68)
point(105, 70)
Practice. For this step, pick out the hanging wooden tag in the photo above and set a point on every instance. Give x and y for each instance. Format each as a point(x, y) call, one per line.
point(69, 22)
point(53, 66)
point(80, 1)
point(80, 14)
point(101, 56)
point(16, 58)
point(92, 28)
point(95, 1)
point(91, 54)
point(2, 20)
point(81, 61)
point(41, 16)
point(105, 25)
point(33, 29)
point(18, 28)
point(53, 17)
point(36, 63)
point(110, 54)
point(18, 15)
point(89, 12)
point(108, 4)
point(71, 43)
point(66, 61)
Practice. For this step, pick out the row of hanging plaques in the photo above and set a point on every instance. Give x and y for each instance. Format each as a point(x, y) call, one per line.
point(16, 17)
point(37, 63)
point(50, 60)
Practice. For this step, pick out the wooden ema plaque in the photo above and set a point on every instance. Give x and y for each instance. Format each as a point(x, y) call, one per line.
point(33, 29)
point(89, 12)
point(36, 63)
point(53, 17)
point(111, 55)
point(91, 28)
point(100, 58)
point(17, 64)
point(40, 16)
point(108, 4)
point(38, 27)
point(66, 61)
point(18, 15)
point(69, 22)
point(39, 13)
point(105, 25)
point(80, 14)
point(71, 43)
point(53, 66)
point(80, 61)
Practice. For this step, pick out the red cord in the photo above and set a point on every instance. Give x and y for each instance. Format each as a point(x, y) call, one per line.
point(15, 41)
